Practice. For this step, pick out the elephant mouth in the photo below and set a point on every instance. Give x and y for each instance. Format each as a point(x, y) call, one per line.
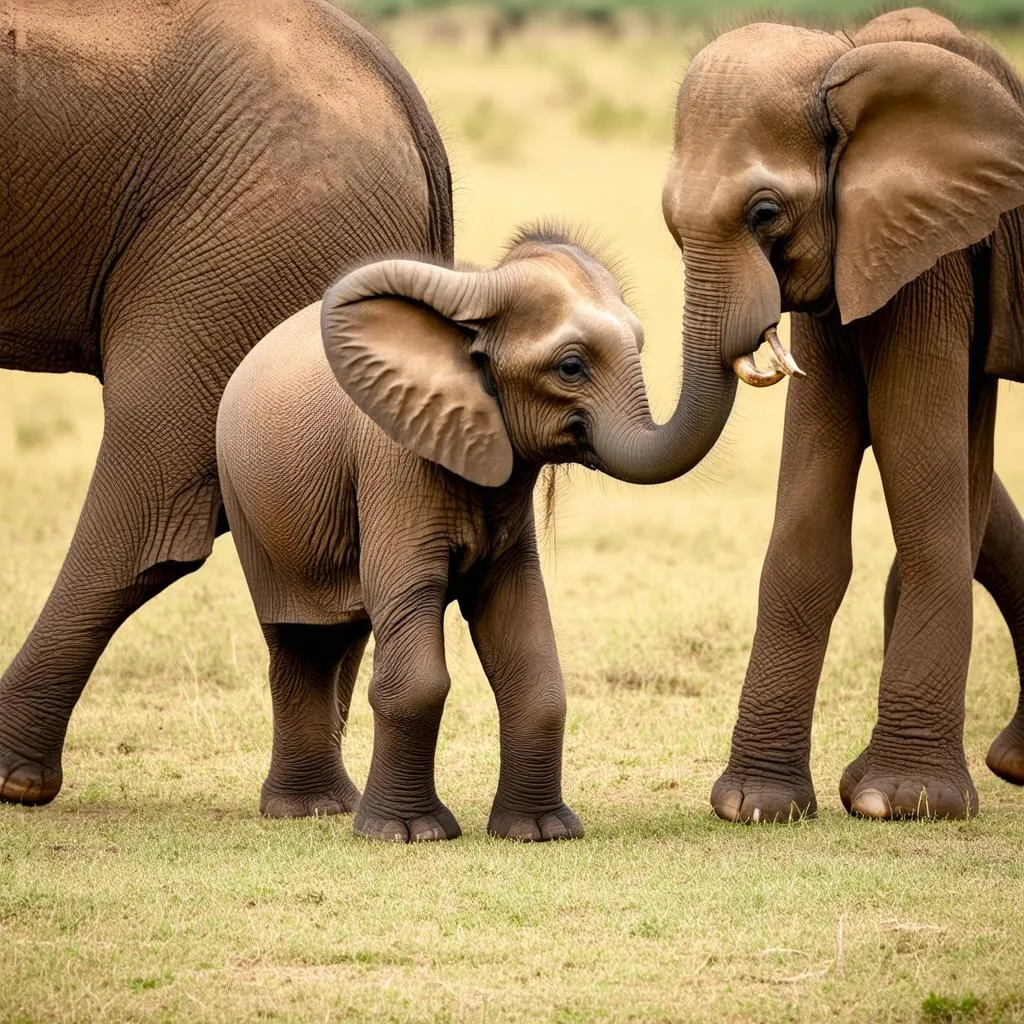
point(582, 450)
point(783, 363)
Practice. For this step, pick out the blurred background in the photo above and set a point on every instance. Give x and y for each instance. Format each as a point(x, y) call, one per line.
point(978, 11)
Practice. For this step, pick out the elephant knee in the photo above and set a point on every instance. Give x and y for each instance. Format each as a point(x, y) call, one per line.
point(537, 714)
point(809, 583)
point(415, 693)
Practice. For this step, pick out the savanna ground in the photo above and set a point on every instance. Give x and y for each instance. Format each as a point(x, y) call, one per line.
point(152, 890)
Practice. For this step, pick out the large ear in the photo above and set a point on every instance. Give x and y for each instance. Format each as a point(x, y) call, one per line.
point(1005, 355)
point(397, 339)
point(930, 152)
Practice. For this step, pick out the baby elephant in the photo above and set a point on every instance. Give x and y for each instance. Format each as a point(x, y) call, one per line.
point(410, 486)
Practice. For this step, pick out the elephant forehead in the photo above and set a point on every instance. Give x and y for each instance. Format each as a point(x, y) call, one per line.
point(775, 56)
point(746, 120)
point(551, 287)
point(755, 82)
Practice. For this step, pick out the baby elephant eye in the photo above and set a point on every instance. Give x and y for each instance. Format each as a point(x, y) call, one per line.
point(572, 369)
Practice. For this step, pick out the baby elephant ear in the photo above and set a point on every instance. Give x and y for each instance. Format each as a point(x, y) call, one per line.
point(930, 153)
point(395, 337)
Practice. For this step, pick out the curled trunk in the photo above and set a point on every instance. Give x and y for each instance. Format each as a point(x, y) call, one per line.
point(641, 451)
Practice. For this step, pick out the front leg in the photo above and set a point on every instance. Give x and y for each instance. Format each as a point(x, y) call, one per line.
point(806, 571)
point(923, 430)
point(406, 598)
point(511, 629)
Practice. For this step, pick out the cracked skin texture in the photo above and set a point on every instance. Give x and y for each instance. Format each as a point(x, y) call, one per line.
point(176, 179)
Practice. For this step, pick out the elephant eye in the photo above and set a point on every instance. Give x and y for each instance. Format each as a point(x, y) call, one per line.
point(572, 369)
point(762, 214)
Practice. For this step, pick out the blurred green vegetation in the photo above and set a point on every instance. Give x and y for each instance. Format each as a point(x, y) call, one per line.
point(978, 12)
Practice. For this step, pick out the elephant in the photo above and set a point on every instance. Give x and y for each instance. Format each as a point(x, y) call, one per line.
point(409, 486)
point(177, 178)
point(872, 186)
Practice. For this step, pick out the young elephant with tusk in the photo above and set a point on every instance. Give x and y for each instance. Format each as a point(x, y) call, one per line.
point(872, 185)
point(377, 503)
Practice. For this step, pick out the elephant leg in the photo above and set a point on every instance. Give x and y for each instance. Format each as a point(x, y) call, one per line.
point(931, 428)
point(855, 769)
point(805, 575)
point(312, 672)
point(98, 587)
point(1000, 570)
point(407, 693)
point(511, 628)
point(994, 519)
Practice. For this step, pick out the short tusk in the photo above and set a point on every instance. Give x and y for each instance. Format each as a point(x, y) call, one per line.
point(784, 358)
point(746, 369)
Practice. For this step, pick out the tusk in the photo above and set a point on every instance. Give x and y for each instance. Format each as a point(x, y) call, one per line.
point(784, 358)
point(746, 369)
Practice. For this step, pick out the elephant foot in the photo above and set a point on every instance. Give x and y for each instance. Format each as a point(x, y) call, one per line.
point(869, 790)
point(440, 823)
point(745, 797)
point(561, 823)
point(27, 781)
point(852, 775)
point(1006, 755)
point(277, 801)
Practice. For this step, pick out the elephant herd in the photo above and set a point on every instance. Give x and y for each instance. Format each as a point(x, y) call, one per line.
point(237, 214)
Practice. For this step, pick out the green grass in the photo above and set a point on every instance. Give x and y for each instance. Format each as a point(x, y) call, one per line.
point(151, 890)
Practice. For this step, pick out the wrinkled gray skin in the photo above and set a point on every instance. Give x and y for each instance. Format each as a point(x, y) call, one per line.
point(406, 488)
point(176, 179)
point(872, 185)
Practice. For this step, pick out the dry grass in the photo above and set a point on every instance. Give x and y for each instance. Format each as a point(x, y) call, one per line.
point(151, 890)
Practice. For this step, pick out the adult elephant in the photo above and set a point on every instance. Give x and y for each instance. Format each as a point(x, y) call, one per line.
point(872, 185)
point(176, 179)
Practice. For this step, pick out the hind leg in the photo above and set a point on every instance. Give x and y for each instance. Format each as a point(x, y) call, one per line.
point(99, 586)
point(1000, 570)
point(312, 672)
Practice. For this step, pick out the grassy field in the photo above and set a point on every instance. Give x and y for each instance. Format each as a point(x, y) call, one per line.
point(151, 890)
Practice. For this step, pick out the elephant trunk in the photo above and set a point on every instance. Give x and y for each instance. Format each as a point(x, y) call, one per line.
point(639, 450)
point(719, 337)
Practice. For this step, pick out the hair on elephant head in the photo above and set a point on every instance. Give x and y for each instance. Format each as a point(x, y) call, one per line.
point(538, 358)
point(809, 173)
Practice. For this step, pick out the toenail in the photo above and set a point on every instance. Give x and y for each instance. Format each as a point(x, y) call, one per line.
point(872, 804)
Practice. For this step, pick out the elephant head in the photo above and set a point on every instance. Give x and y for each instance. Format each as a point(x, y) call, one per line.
point(537, 359)
point(812, 175)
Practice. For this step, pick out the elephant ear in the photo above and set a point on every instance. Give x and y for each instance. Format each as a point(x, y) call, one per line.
point(398, 336)
point(1005, 355)
point(930, 152)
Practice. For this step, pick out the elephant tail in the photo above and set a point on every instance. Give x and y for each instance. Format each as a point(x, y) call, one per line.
point(439, 187)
